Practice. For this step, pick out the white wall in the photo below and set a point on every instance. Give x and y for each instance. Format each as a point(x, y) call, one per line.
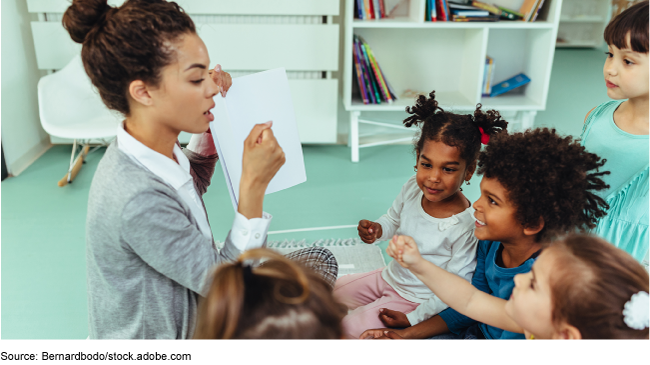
point(23, 138)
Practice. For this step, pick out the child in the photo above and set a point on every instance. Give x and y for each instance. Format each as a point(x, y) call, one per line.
point(618, 132)
point(430, 207)
point(278, 299)
point(534, 184)
point(579, 287)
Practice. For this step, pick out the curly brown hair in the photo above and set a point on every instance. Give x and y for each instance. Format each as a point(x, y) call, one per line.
point(126, 43)
point(547, 176)
point(456, 130)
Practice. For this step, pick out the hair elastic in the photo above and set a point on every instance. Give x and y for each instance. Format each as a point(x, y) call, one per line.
point(635, 311)
point(485, 138)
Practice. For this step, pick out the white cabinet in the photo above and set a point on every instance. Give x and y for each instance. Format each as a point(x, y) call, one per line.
point(582, 23)
point(449, 57)
point(244, 36)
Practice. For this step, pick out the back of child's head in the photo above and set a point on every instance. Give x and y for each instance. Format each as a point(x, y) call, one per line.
point(464, 131)
point(632, 21)
point(546, 176)
point(279, 299)
point(590, 285)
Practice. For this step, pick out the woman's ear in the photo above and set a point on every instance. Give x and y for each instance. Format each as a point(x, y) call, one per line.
point(568, 332)
point(535, 229)
point(140, 93)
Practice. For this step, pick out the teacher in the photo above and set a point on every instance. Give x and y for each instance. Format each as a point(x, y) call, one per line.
point(149, 246)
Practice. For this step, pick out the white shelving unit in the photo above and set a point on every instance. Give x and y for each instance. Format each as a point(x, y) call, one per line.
point(582, 23)
point(449, 57)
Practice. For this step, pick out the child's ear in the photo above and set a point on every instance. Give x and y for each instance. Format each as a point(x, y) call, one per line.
point(469, 172)
point(567, 332)
point(534, 229)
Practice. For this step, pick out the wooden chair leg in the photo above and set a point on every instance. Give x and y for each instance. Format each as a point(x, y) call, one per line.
point(69, 177)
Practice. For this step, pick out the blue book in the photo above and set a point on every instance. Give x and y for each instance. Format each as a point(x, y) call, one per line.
point(511, 83)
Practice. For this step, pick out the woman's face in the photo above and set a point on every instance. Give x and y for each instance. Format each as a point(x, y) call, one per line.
point(183, 99)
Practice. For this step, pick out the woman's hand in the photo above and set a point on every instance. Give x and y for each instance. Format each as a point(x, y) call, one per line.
point(393, 319)
point(369, 231)
point(262, 159)
point(221, 78)
point(405, 251)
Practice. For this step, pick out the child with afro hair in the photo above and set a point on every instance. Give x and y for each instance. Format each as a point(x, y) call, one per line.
point(536, 185)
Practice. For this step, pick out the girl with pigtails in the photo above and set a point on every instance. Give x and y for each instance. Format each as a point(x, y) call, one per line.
point(432, 207)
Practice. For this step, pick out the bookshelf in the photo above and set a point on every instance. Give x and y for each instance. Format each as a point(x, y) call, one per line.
point(582, 23)
point(449, 57)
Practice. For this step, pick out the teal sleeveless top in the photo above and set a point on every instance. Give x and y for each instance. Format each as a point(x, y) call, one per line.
point(626, 222)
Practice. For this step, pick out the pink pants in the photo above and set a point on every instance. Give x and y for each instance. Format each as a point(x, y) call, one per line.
point(366, 294)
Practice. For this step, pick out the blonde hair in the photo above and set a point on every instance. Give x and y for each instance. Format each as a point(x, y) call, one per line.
point(590, 285)
point(278, 299)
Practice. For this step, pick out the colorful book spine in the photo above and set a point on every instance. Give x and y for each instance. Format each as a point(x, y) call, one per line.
point(376, 9)
point(359, 6)
point(360, 80)
point(539, 7)
point(366, 75)
point(375, 68)
point(366, 8)
point(382, 8)
point(373, 80)
point(432, 8)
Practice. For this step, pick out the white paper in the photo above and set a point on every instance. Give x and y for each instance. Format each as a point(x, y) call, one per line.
point(255, 99)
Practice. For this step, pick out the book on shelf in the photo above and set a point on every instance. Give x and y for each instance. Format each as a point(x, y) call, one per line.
point(460, 18)
point(530, 8)
point(370, 9)
point(431, 11)
point(467, 10)
point(509, 84)
point(488, 75)
point(444, 8)
point(509, 14)
point(373, 85)
point(485, 6)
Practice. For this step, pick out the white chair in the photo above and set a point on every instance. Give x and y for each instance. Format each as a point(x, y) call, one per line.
point(70, 107)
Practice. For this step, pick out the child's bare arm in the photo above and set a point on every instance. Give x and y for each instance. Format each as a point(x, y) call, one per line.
point(452, 289)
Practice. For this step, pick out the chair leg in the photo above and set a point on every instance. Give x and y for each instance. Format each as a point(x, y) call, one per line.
point(75, 163)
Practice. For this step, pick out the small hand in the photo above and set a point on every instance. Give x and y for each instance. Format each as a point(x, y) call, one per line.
point(382, 334)
point(369, 231)
point(404, 250)
point(393, 319)
point(221, 78)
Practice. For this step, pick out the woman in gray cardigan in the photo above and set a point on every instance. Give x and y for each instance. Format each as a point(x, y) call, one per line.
point(150, 249)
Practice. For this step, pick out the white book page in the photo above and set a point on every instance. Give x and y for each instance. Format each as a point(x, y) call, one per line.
point(255, 99)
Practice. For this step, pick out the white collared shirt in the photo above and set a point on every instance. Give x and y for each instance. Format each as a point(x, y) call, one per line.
point(245, 233)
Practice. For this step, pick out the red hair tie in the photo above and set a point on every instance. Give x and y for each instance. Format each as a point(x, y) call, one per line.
point(485, 138)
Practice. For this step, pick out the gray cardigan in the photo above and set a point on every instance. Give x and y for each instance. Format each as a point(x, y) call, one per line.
point(147, 261)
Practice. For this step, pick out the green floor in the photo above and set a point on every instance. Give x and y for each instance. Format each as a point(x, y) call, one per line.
point(43, 248)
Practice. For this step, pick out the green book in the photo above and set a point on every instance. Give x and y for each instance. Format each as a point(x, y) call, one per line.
point(510, 14)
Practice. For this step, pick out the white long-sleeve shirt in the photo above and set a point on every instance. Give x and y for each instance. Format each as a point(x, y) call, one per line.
point(245, 233)
point(446, 242)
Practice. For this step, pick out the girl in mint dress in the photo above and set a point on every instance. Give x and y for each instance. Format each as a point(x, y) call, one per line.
point(618, 132)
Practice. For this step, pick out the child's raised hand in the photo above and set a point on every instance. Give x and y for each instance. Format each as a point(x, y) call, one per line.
point(221, 78)
point(369, 231)
point(404, 250)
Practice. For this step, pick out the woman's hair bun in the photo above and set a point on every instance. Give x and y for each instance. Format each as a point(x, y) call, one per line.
point(84, 15)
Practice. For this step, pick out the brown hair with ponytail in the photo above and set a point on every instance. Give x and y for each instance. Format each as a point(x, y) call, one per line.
point(456, 130)
point(126, 43)
point(590, 285)
point(280, 299)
